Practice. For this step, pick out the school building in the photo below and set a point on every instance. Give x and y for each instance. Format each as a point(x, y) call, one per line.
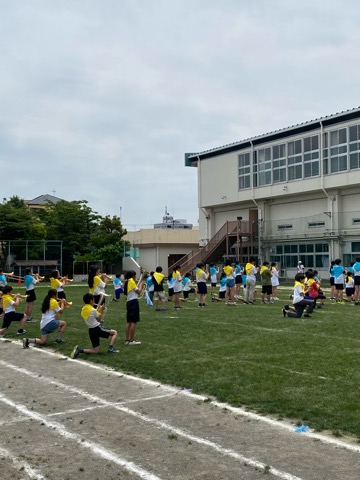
point(284, 196)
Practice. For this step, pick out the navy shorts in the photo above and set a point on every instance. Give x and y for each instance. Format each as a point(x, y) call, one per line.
point(202, 288)
point(31, 297)
point(133, 311)
point(11, 317)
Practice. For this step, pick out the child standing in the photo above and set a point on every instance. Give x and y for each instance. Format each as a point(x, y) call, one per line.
point(158, 281)
point(187, 287)
point(213, 276)
point(349, 287)
point(118, 287)
point(94, 319)
point(132, 291)
point(201, 277)
point(30, 281)
point(177, 286)
point(339, 276)
point(274, 280)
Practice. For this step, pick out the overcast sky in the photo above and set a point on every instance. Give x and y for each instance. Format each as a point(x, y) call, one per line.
point(100, 99)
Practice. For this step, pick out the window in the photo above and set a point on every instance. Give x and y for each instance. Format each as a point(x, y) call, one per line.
point(285, 227)
point(311, 156)
point(244, 171)
point(279, 163)
point(316, 224)
point(294, 160)
point(356, 221)
point(338, 150)
point(312, 255)
point(354, 147)
point(264, 166)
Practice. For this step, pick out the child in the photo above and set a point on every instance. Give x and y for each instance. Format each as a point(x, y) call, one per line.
point(299, 302)
point(213, 276)
point(118, 290)
point(30, 281)
point(187, 287)
point(339, 276)
point(96, 284)
point(230, 273)
point(177, 286)
point(266, 287)
point(57, 283)
point(51, 310)
point(201, 277)
point(132, 291)
point(158, 281)
point(238, 279)
point(94, 319)
point(10, 302)
point(150, 286)
point(170, 284)
point(274, 280)
point(349, 287)
point(222, 289)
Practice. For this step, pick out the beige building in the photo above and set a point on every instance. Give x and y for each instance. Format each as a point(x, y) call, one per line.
point(292, 194)
point(163, 247)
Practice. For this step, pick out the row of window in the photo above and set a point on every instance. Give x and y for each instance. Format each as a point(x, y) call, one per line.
point(317, 224)
point(298, 159)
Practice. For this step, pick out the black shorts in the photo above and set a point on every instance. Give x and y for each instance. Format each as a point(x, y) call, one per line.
point(222, 294)
point(238, 280)
point(202, 288)
point(11, 317)
point(266, 289)
point(133, 311)
point(357, 279)
point(186, 292)
point(170, 292)
point(332, 281)
point(31, 297)
point(339, 286)
point(61, 294)
point(98, 332)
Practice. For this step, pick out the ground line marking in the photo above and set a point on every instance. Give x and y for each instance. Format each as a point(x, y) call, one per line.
point(158, 423)
point(21, 464)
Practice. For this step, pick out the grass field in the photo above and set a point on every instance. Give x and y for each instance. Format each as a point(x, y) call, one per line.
point(306, 370)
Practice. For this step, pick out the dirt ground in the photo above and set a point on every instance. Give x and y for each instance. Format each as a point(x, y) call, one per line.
point(64, 419)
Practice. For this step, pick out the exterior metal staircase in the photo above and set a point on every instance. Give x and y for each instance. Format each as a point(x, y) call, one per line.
point(220, 245)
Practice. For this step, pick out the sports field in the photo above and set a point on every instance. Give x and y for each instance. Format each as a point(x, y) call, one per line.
point(306, 370)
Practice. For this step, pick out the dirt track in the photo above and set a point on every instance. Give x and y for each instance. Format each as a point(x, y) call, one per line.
point(67, 419)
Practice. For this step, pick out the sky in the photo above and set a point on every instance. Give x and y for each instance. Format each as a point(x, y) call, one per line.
point(101, 99)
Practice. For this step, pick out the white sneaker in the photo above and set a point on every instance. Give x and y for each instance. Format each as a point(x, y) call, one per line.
point(134, 342)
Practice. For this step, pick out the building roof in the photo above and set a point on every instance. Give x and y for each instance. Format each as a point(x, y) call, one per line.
point(43, 200)
point(191, 159)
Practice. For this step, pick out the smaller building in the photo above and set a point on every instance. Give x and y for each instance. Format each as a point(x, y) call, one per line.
point(42, 201)
point(170, 222)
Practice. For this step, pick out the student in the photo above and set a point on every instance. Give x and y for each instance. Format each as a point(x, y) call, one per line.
point(187, 287)
point(274, 280)
point(349, 287)
point(230, 272)
point(159, 294)
point(118, 287)
point(30, 281)
point(266, 287)
point(299, 302)
point(150, 286)
point(51, 310)
point(332, 280)
point(238, 279)
point(356, 270)
point(201, 278)
point(94, 319)
point(96, 284)
point(3, 281)
point(251, 272)
point(213, 276)
point(222, 289)
point(177, 286)
point(313, 289)
point(132, 290)
point(339, 281)
point(10, 302)
point(57, 283)
point(170, 285)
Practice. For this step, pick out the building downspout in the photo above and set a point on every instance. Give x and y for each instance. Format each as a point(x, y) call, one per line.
point(330, 199)
point(260, 219)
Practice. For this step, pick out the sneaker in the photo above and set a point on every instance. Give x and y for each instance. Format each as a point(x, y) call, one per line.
point(25, 343)
point(196, 300)
point(31, 320)
point(20, 332)
point(284, 312)
point(111, 349)
point(164, 309)
point(307, 315)
point(76, 352)
point(157, 309)
point(126, 342)
point(134, 342)
point(59, 340)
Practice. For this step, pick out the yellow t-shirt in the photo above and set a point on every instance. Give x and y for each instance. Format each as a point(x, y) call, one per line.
point(55, 283)
point(97, 281)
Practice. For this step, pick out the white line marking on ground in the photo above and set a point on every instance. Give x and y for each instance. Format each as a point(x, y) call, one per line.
point(154, 421)
point(21, 465)
point(237, 410)
point(95, 448)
